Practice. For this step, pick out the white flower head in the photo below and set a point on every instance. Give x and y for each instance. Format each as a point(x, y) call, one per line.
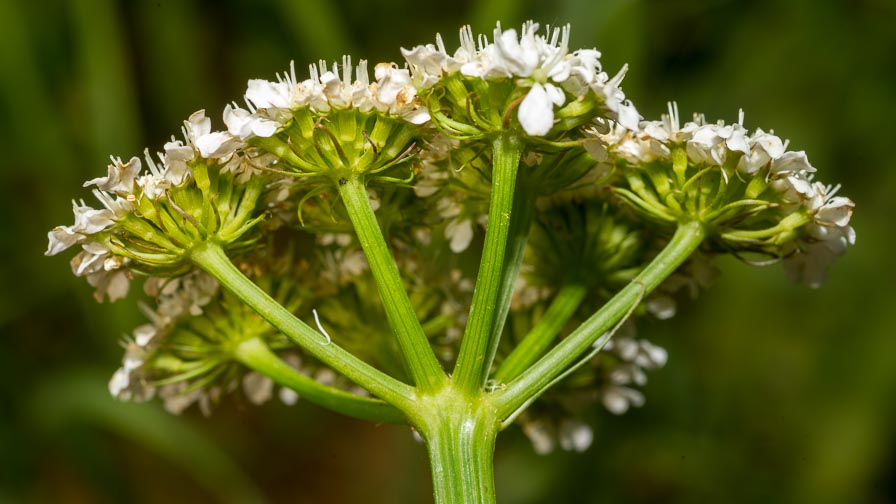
point(541, 62)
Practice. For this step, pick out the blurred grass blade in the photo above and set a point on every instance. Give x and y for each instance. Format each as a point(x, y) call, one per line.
point(79, 397)
point(101, 52)
point(319, 28)
point(26, 98)
point(174, 42)
point(484, 14)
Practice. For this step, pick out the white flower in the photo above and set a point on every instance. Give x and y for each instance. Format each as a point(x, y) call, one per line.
point(536, 114)
point(211, 145)
point(120, 177)
point(764, 147)
point(661, 306)
point(542, 63)
point(61, 238)
point(244, 124)
point(540, 436)
point(258, 388)
point(790, 163)
point(835, 212)
point(288, 396)
point(574, 435)
point(264, 94)
point(272, 103)
point(144, 334)
point(828, 236)
point(175, 159)
point(618, 399)
point(128, 383)
point(712, 143)
point(176, 401)
point(90, 220)
point(459, 232)
point(183, 295)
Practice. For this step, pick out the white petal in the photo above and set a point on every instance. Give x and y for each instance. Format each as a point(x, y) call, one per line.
point(288, 396)
point(661, 307)
point(61, 238)
point(536, 113)
point(575, 435)
point(460, 232)
point(219, 144)
point(119, 383)
point(265, 94)
point(144, 334)
point(258, 388)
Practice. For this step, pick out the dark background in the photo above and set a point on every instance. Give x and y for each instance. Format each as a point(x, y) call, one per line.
point(774, 392)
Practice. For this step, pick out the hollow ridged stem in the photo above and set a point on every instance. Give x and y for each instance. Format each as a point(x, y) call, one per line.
point(476, 351)
point(418, 356)
point(460, 431)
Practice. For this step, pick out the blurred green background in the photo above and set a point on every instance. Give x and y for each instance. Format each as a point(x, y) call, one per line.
point(774, 393)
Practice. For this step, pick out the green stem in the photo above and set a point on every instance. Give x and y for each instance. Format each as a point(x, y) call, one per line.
point(561, 309)
point(460, 439)
point(255, 354)
point(417, 354)
point(476, 351)
point(518, 237)
point(211, 258)
point(687, 238)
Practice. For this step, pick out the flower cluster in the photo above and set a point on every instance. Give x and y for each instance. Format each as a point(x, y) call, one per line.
point(757, 196)
point(315, 183)
point(272, 105)
point(150, 219)
point(539, 64)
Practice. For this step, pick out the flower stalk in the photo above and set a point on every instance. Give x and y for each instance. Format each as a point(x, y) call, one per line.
point(481, 334)
point(688, 236)
point(417, 354)
point(561, 309)
point(255, 354)
point(212, 259)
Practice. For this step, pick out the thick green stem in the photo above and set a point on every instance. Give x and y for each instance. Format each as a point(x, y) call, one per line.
point(518, 237)
point(211, 258)
point(460, 438)
point(533, 381)
point(480, 339)
point(255, 354)
point(418, 356)
point(561, 309)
